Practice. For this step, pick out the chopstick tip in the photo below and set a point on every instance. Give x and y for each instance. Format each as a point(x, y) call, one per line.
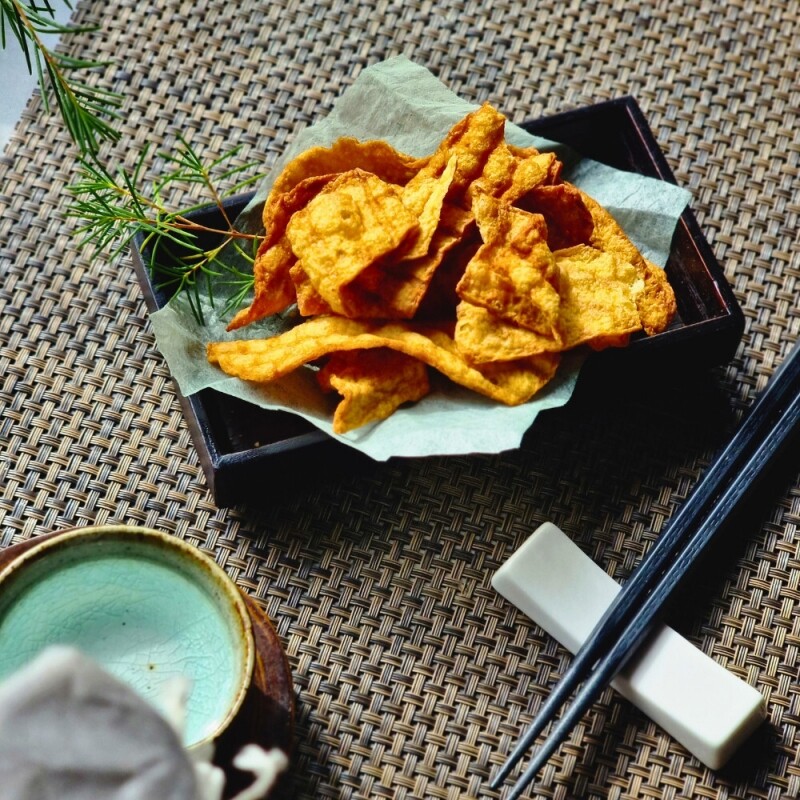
point(505, 768)
point(496, 782)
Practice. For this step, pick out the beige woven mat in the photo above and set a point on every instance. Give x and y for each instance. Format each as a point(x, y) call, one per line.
point(413, 677)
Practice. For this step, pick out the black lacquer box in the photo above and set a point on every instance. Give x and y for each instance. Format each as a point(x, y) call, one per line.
point(244, 449)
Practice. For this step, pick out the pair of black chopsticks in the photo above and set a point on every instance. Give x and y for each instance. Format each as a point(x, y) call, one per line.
point(762, 435)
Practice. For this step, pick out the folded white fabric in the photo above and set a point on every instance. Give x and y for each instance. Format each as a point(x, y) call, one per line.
point(71, 731)
point(68, 729)
point(697, 701)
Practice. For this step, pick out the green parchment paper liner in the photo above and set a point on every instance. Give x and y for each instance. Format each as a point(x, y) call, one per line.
point(404, 104)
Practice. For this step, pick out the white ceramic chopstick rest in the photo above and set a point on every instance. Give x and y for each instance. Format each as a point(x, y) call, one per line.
point(696, 700)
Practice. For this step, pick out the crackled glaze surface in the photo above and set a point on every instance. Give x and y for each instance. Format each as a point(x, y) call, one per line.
point(147, 614)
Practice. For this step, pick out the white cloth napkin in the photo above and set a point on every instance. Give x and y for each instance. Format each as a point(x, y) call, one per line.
point(71, 731)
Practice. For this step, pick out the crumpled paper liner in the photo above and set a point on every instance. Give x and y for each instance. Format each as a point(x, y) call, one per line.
point(404, 104)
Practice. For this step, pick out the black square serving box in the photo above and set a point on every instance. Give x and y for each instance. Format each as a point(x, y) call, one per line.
point(244, 449)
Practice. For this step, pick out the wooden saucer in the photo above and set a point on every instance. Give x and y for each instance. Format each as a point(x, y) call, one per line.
point(266, 717)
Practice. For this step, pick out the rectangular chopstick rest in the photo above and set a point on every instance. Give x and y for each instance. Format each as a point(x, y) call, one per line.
point(693, 698)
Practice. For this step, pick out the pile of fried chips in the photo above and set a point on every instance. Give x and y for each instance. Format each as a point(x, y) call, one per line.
point(478, 261)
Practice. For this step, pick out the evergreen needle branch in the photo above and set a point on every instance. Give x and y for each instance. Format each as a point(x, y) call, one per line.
point(184, 255)
point(88, 111)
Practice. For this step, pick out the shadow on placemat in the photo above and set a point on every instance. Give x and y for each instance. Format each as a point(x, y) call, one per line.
point(628, 419)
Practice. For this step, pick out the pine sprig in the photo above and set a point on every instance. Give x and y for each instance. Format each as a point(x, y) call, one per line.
point(88, 111)
point(115, 208)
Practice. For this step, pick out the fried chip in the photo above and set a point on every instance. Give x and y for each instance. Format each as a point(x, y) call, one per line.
point(424, 197)
point(523, 378)
point(510, 264)
point(604, 342)
point(373, 384)
point(264, 360)
point(279, 208)
point(569, 221)
point(532, 171)
point(355, 221)
point(396, 290)
point(496, 175)
point(440, 299)
point(656, 303)
point(483, 337)
point(471, 140)
point(513, 274)
point(522, 152)
point(607, 235)
point(273, 288)
point(346, 153)
point(598, 291)
point(309, 302)
point(508, 177)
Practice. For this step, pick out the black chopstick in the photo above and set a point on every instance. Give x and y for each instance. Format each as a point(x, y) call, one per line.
point(765, 431)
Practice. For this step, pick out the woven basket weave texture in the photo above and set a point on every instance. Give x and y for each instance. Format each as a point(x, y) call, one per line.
point(413, 677)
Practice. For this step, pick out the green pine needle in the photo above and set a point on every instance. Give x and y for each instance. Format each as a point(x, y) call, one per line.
point(88, 111)
point(114, 208)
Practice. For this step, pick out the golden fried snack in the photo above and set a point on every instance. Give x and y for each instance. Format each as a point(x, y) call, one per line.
point(514, 273)
point(497, 173)
point(395, 290)
point(598, 296)
point(373, 384)
point(472, 141)
point(279, 208)
point(524, 378)
point(301, 180)
point(355, 221)
point(273, 288)
point(538, 169)
point(424, 197)
point(309, 301)
point(375, 156)
point(264, 360)
point(509, 264)
point(569, 221)
point(656, 303)
point(508, 176)
point(483, 337)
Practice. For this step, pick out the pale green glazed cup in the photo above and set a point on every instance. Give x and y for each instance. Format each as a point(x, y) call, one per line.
point(146, 606)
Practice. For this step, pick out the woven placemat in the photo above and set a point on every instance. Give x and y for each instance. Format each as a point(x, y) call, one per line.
point(413, 677)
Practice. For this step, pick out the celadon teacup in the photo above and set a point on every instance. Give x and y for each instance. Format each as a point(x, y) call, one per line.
point(146, 606)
